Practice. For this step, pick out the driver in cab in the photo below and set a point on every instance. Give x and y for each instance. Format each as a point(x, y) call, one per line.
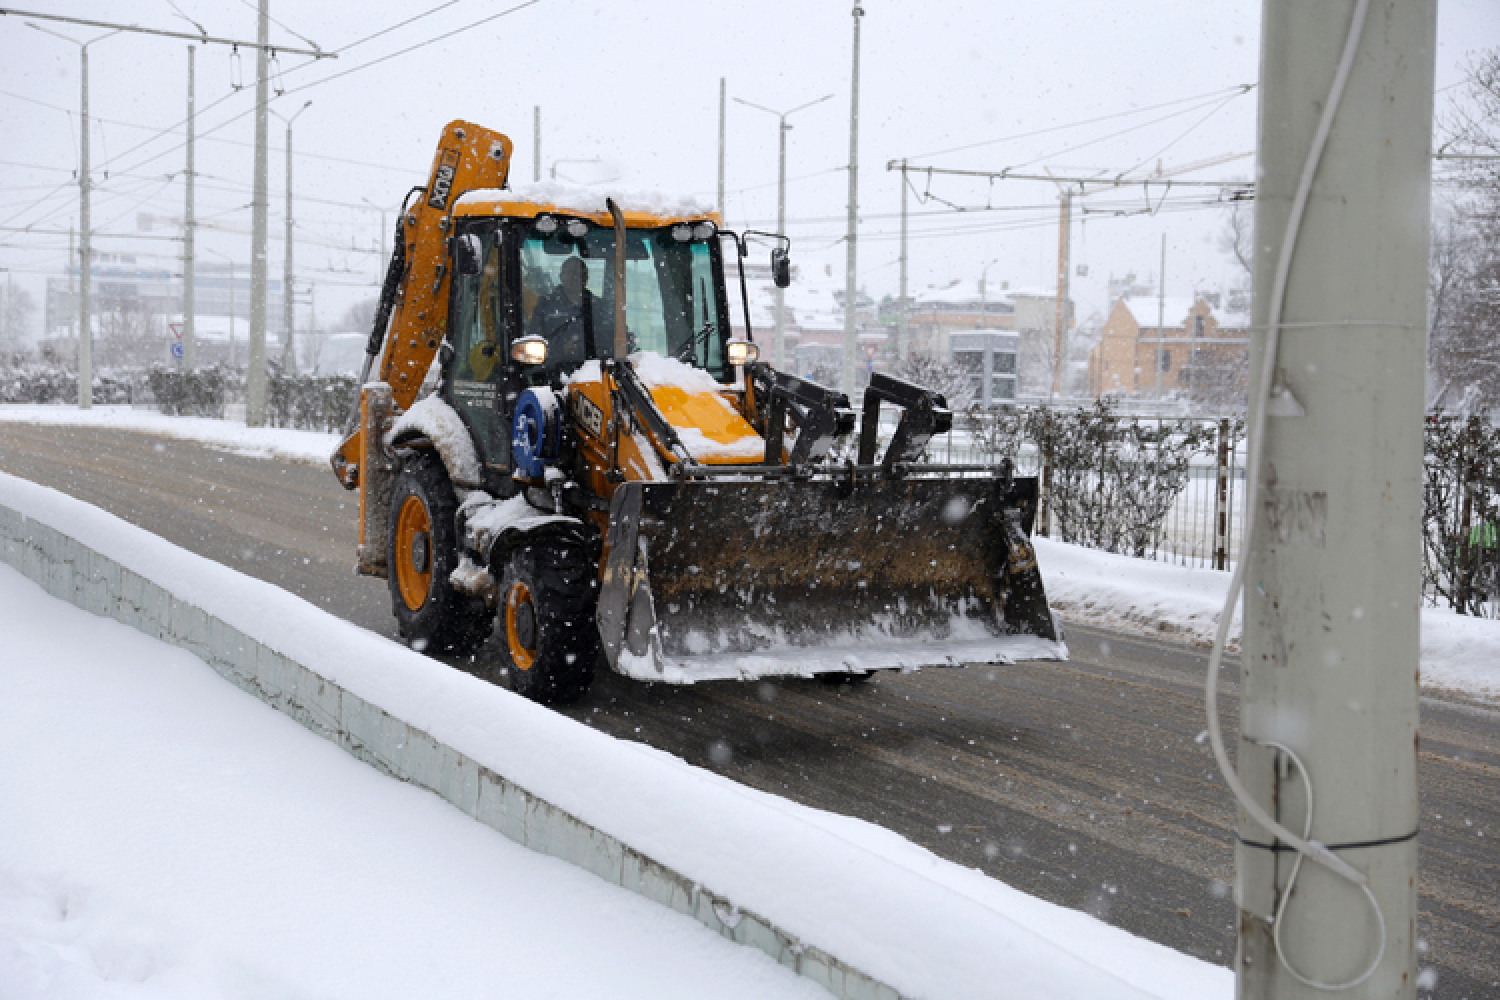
point(565, 316)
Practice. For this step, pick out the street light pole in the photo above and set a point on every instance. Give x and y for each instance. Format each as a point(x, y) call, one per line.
point(779, 348)
point(288, 312)
point(851, 285)
point(85, 236)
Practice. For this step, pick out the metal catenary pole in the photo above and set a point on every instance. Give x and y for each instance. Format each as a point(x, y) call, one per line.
point(1060, 341)
point(1161, 311)
point(255, 375)
point(851, 284)
point(1332, 601)
point(288, 303)
point(189, 232)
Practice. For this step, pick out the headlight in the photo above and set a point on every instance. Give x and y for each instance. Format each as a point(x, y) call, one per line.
point(546, 225)
point(742, 352)
point(529, 350)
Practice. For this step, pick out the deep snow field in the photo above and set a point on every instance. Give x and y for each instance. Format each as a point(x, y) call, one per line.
point(167, 835)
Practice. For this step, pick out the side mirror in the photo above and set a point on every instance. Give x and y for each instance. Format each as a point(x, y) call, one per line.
point(529, 350)
point(781, 267)
point(466, 252)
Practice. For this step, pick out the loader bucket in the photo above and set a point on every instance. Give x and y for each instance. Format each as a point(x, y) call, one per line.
point(753, 578)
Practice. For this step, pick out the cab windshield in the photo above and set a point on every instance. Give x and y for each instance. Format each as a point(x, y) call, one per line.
point(672, 302)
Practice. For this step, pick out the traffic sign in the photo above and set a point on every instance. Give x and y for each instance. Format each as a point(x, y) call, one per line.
point(177, 351)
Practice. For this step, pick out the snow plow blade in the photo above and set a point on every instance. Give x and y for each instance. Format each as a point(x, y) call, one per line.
point(750, 578)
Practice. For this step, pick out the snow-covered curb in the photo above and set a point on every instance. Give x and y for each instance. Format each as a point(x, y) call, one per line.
point(859, 909)
point(278, 443)
point(1459, 653)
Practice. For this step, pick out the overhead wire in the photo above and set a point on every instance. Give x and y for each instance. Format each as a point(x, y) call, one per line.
point(1243, 88)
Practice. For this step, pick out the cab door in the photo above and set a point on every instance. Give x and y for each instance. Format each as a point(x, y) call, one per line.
point(480, 376)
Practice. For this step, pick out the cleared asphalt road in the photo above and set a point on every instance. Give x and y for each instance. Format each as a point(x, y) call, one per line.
point(1081, 782)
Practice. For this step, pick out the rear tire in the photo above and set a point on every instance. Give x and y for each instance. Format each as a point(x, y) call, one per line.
point(421, 552)
point(548, 639)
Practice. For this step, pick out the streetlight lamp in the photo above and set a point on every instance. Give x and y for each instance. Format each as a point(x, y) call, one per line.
point(288, 351)
point(230, 261)
point(85, 248)
point(779, 350)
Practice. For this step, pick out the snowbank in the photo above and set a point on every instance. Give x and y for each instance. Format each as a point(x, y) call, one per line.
point(234, 854)
point(880, 904)
point(1459, 653)
point(278, 443)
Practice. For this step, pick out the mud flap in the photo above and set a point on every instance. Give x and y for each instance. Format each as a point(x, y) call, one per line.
point(754, 578)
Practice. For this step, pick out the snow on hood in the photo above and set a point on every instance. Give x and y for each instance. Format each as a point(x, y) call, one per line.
point(660, 372)
point(590, 200)
point(449, 435)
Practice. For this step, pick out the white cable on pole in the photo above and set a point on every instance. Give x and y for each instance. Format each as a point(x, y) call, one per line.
point(1305, 847)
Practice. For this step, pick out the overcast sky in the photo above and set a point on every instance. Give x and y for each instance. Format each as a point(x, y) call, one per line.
point(1084, 86)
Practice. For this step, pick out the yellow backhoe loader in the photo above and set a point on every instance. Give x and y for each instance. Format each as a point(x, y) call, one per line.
point(558, 437)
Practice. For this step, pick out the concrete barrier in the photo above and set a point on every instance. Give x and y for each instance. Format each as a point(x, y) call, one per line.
point(72, 571)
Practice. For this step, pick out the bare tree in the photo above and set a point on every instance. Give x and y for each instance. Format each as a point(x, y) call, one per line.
point(16, 307)
point(1238, 237)
point(954, 381)
point(360, 316)
point(131, 331)
point(1465, 263)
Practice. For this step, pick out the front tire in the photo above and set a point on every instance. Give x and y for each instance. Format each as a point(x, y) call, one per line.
point(548, 638)
point(421, 553)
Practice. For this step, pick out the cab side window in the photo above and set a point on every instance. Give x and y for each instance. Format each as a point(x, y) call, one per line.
point(479, 336)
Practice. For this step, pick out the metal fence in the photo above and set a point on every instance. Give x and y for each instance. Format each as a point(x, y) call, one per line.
point(1196, 525)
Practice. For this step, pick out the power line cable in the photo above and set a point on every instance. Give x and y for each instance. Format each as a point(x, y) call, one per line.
point(1243, 88)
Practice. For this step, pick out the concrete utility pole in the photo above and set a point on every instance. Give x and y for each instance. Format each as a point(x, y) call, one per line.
point(1161, 311)
point(723, 94)
point(851, 283)
point(255, 376)
point(536, 144)
point(288, 305)
point(903, 332)
point(189, 231)
point(779, 349)
point(85, 227)
point(85, 251)
point(1064, 255)
point(1331, 609)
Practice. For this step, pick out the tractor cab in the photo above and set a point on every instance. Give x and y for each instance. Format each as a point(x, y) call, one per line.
point(533, 300)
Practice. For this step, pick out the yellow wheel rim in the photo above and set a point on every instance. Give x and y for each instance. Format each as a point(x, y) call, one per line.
point(520, 625)
point(413, 555)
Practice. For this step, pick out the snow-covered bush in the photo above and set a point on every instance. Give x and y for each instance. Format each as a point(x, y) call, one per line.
point(1461, 513)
